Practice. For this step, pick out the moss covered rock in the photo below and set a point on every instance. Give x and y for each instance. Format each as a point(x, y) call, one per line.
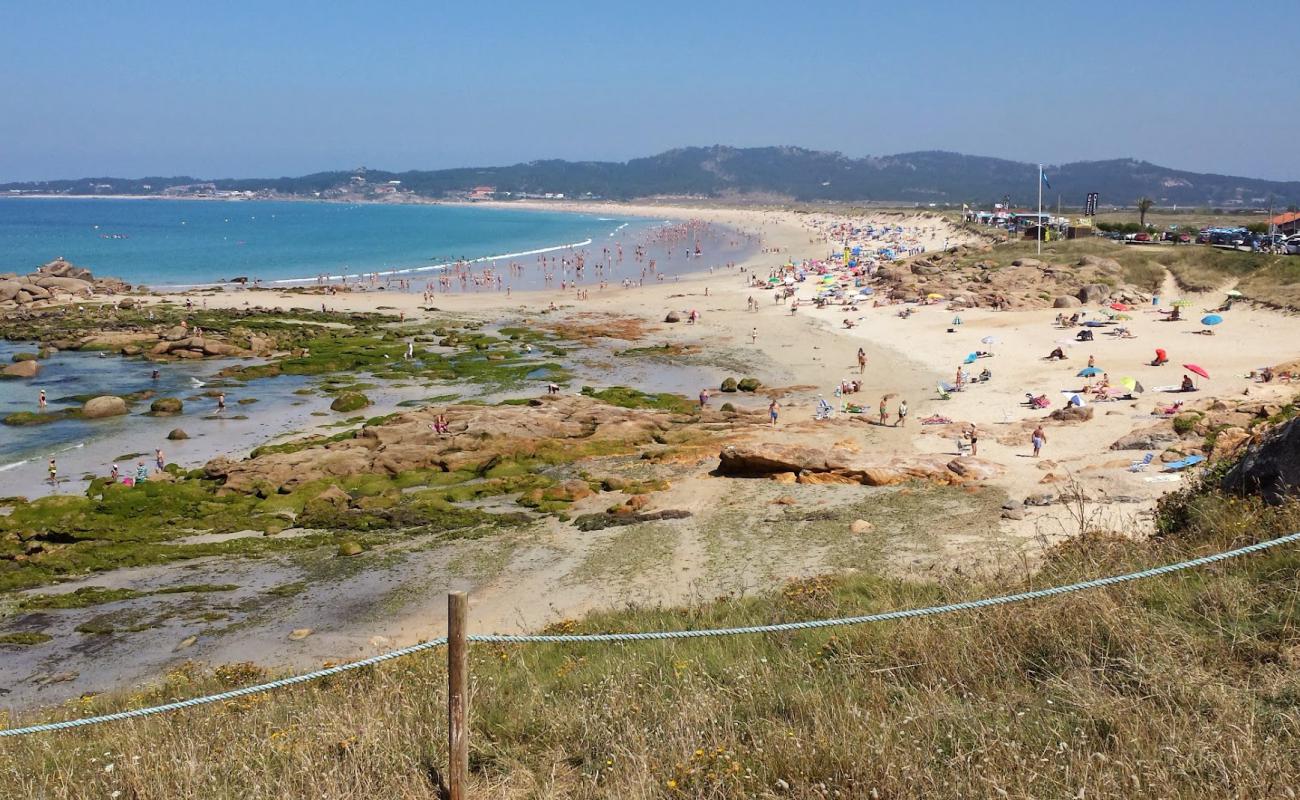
point(103, 406)
point(728, 385)
point(748, 384)
point(350, 401)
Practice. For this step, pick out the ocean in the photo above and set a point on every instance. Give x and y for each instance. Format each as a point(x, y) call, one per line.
point(160, 242)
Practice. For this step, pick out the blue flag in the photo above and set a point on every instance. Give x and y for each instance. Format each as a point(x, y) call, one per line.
point(1044, 177)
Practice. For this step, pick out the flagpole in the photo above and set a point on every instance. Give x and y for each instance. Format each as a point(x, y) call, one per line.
point(1040, 209)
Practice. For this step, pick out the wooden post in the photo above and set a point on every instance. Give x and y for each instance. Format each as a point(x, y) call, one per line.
point(457, 696)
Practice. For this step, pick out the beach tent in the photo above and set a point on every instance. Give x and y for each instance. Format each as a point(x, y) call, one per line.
point(1212, 319)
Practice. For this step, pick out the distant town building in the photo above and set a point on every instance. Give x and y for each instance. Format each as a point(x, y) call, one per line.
point(1287, 223)
point(482, 193)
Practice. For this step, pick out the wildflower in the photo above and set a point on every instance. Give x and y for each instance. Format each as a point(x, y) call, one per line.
point(672, 784)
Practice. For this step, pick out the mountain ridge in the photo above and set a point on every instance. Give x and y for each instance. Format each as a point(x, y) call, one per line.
point(796, 173)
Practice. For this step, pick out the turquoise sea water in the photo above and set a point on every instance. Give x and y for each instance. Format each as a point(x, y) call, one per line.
point(185, 242)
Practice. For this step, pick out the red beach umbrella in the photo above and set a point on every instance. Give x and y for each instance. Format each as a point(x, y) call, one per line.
point(1197, 370)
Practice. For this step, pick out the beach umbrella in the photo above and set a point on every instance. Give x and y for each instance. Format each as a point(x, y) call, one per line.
point(1119, 306)
point(1212, 319)
point(1130, 384)
point(1181, 303)
point(989, 340)
point(1233, 293)
point(1198, 370)
point(1088, 372)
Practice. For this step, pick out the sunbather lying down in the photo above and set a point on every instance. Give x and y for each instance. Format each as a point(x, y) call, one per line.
point(936, 419)
point(1041, 401)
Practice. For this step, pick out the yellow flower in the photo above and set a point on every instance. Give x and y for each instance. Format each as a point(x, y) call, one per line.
point(672, 784)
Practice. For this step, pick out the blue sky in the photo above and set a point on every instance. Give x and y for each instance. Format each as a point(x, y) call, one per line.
point(237, 89)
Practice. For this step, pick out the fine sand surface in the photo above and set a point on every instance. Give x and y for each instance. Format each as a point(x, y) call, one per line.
point(741, 538)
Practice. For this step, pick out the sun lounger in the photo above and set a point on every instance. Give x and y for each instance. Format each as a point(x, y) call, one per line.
point(1141, 465)
point(1183, 463)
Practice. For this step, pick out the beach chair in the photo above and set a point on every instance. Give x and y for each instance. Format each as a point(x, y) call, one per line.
point(1141, 464)
point(1183, 463)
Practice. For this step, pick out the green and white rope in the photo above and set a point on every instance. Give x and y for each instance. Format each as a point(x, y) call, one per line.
point(970, 605)
point(233, 694)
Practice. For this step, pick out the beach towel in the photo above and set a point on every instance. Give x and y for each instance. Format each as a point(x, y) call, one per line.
point(1183, 463)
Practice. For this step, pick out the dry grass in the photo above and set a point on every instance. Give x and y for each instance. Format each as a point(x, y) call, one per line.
point(1180, 687)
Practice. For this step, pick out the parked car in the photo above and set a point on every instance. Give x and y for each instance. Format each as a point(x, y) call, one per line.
point(1142, 237)
point(1293, 245)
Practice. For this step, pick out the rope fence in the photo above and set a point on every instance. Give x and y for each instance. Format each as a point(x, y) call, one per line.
point(971, 605)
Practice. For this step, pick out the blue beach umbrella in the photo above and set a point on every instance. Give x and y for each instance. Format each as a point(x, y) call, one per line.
point(1213, 319)
point(1088, 372)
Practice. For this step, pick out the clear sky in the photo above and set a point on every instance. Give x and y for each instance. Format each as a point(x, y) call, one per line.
point(280, 87)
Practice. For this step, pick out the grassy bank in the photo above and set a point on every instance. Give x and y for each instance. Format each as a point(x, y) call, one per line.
point(1263, 278)
point(1184, 686)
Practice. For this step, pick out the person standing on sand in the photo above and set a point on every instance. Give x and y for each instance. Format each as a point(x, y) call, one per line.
point(1038, 438)
point(158, 459)
point(53, 471)
point(902, 413)
point(862, 361)
point(773, 411)
point(753, 335)
point(884, 410)
point(973, 434)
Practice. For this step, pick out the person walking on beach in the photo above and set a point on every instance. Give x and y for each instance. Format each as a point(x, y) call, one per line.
point(902, 413)
point(53, 472)
point(753, 335)
point(773, 411)
point(862, 361)
point(884, 410)
point(40, 400)
point(1038, 438)
point(114, 474)
point(704, 397)
point(221, 402)
point(158, 459)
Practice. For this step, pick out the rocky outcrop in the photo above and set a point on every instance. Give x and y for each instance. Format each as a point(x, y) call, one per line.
point(1270, 467)
point(480, 437)
point(57, 281)
point(1154, 437)
point(166, 406)
point(103, 406)
point(1065, 301)
point(1072, 414)
point(815, 465)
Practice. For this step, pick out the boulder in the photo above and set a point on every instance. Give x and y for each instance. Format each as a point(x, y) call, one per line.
point(9, 289)
point(1228, 441)
point(1153, 437)
point(70, 285)
point(17, 357)
point(103, 406)
point(1093, 292)
point(1072, 414)
point(166, 406)
point(1065, 301)
point(176, 333)
point(861, 526)
point(748, 384)
point(1270, 467)
point(673, 316)
point(177, 434)
point(1026, 262)
point(728, 385)
point(23, 369)
point(350, 401)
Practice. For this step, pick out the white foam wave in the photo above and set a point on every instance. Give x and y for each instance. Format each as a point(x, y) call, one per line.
point(6, 467)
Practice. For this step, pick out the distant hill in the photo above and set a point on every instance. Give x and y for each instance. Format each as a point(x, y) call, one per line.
point(786, 172)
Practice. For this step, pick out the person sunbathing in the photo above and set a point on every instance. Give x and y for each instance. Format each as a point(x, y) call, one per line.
point(1056, 355)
